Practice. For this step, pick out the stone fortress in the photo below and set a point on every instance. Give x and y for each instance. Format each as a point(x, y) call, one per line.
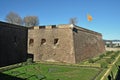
point(64, 43)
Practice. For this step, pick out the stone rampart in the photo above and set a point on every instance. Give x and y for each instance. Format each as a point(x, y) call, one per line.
point(13, 44)
point(64, 43)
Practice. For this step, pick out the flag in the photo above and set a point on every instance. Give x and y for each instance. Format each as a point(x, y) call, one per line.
point(89, 17)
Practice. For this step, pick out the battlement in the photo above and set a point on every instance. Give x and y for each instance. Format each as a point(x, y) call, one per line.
point(66, 26)
point(52, 26)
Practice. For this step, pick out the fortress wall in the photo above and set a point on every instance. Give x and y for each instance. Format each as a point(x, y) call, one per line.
point(61, 51)
point(74, 43)
point(87, 44)
point(13, 44)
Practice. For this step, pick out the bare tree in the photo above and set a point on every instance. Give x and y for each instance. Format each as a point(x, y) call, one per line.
point(31, 21)
point(73, 20)
point(14, 18)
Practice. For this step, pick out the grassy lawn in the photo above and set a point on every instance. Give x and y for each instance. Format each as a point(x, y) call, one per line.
point(53, 72)
point(113, 69)
point(83, 71)
point(107, 58)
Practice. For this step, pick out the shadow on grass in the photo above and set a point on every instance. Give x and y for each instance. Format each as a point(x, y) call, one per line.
point(9, 77)
point(118, 74)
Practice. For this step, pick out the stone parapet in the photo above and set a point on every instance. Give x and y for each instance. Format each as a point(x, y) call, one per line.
point(66, 26)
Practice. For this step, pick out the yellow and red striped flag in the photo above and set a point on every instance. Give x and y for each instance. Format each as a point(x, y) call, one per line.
point(89, 17)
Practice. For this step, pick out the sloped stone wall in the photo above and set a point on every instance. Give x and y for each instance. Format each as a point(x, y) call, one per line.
point(87, 44)
point(13, 44)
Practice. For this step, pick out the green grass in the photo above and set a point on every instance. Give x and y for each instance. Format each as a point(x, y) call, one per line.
point(101, 74)
point(65, 71)
point(54, 72)
point(105, 58)
point(115, 68)
point(113, 71)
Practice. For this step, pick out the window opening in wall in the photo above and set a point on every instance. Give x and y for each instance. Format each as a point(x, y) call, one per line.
point(75, 30)
point(42, 27)
point(31, 41)
point(43, 41)
point(56, 41)
point(54, 26)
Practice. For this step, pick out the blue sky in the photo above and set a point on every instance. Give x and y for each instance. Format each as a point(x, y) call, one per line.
point(105, 13)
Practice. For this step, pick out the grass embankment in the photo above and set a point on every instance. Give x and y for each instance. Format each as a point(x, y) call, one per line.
point(108, 62)
point(94, 68)
point(53, 72)
point(113, 69)
point(112, 66)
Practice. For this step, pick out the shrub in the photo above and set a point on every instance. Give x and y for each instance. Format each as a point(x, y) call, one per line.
point(96, 59)
point(91, 60)
point(101, 56)
point(29, 61)
point(113, 57)
point(118, 52)
point(40, 77)
point(109, 52)
point(109, 60)
point(9, 67)
point(103, 65)
point(24, 63)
